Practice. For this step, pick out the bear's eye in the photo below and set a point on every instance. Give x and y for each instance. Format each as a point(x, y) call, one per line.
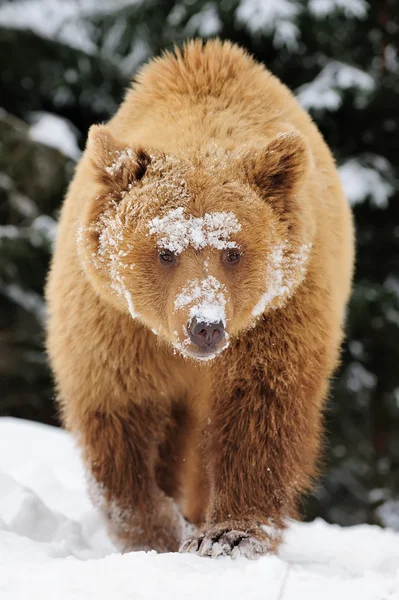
point(167, 258)
point(231, 256)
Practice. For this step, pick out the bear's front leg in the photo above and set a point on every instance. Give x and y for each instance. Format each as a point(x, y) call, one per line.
point(121, 450)
point(262, 445)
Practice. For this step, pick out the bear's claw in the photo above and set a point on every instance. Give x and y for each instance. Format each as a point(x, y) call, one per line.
point(232, 543)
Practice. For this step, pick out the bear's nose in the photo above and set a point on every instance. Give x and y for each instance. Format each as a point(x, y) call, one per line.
point(205, 335)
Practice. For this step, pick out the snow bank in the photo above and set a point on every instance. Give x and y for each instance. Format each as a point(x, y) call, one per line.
point(52, 544)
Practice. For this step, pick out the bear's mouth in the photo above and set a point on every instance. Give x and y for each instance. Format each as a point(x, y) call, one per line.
point(188, 350)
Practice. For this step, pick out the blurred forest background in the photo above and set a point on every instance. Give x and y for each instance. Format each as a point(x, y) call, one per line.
point(65, 64)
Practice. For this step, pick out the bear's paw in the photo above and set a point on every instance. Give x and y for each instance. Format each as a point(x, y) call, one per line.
point(221, 541)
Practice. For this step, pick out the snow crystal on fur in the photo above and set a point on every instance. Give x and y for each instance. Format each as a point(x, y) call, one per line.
point(130, 304)
point(208, 305)
point(111, 239)
point(124, 519)
point(121, 156)
point(175, 231)
point(208, 300)
point(285, 272)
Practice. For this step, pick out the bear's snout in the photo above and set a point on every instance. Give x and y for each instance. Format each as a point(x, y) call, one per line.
point(207, 336)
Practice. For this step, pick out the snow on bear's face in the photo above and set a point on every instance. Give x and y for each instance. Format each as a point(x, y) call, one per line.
point(196, 248)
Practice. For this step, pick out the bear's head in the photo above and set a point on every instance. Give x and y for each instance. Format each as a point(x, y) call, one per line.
point(197, 246)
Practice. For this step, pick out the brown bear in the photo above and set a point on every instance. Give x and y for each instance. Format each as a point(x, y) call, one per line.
point(196, 303)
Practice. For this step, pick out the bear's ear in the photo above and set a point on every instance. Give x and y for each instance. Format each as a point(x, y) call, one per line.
point(279, 168)
point(116, 166)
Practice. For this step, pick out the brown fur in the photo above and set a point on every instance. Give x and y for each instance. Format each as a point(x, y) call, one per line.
point(233, 441)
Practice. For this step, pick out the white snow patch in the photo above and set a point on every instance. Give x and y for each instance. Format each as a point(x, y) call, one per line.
point(175, 231)
point(64, 21)
point(54, 131)
point(206, 22)
point(388, 514)
point(351, 8)
point(59, 20)
point(391, 58)
point(285, 271)
point(325, 91)
point(46, 226)
point(274, 17)
point(42, 228)
point(140, 52)
point(130, 304)
point(177, 14)
point(24, 205)
point(359, 378)
point(366, 178)
point(45, 512)
point(53, 543)
point(208, 300)
point(10, 232)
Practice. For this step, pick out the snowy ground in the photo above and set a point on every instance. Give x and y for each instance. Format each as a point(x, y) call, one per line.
point(53, 545)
